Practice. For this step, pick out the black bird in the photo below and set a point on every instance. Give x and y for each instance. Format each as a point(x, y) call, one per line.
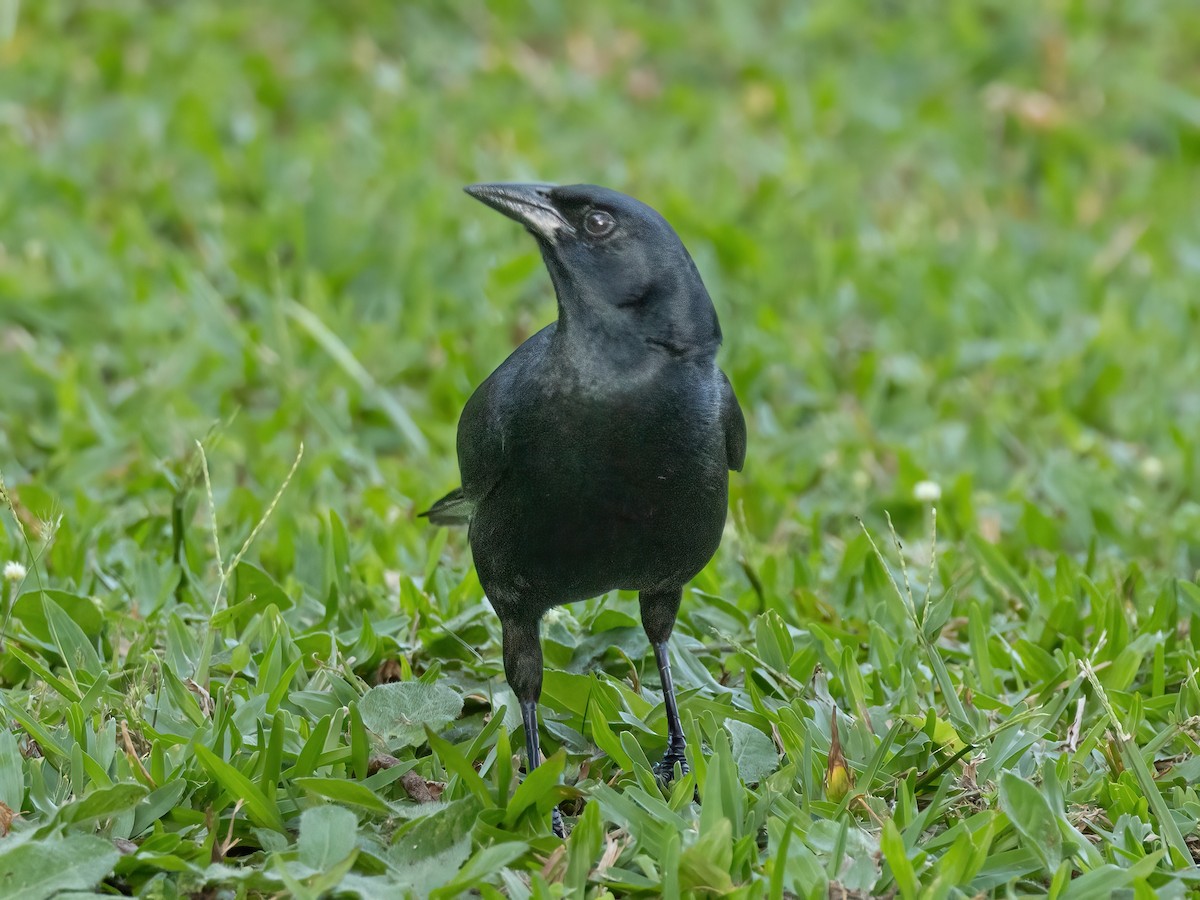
point(596, 457)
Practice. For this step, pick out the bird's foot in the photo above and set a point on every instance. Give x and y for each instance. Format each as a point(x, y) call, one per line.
point(664, 772)
point(664, 769)
point(556, 824)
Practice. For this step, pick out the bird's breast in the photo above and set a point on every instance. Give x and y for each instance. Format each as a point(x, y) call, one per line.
point(605, 488)
point(606, 465)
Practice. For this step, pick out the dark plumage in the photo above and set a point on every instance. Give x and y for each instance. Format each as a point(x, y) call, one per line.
point(596, 457)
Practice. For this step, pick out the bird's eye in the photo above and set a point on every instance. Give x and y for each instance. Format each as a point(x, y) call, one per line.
point(598, 223)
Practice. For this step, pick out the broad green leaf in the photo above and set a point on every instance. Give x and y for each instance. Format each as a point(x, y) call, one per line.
point(1031, 815)
point(327, 836)
point(29, 610)
point(793, 865)
point(253, 591)
point(669, 866)
point(454, 761)
point(1103, 881)
point(12, 776)
point(314, 746)
point(583, 848)
point(440, 826)
point(360, 749)
point(342, 791)
point(606, 739)
point(1162, 812)
point(537, 788)
point(753, 752)
point(65, 688)
point(400, 712)
point(41, 869)
point(486, 863)
point(101, 803)
point(619, 807)
point(262, 809)
point(430, 872)
point(157, 804)
point(856, 851)
point(73, 645)
point(704, 866)
point(772, 641)
point(779, 856)
point(894, 851)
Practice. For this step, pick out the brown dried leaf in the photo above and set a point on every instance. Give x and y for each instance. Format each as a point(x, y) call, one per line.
point(381, 761)
point(556, 865)
point(6, 818)
point(421, 790)
point(389, 671)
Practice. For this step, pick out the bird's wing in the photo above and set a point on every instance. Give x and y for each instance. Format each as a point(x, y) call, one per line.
point(480, 460)
point(482, 450)
point(735, 426)
point(453, 509)
point(481, 457)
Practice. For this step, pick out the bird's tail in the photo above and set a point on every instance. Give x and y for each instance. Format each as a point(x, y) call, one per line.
point(453, 509)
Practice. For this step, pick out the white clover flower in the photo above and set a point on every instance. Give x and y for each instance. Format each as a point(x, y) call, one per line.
point(13, 571)
point(927, 491)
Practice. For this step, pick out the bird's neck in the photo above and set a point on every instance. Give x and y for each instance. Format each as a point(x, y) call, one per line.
point(614, 345)
point(676, 321)
point(597, 348)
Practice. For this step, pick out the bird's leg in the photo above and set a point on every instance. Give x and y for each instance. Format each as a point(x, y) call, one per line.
point(523, 671)
point(658, 619)
point(676, 743)
point(533, 750)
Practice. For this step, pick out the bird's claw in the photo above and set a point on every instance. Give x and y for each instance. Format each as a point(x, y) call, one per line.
point(664, 769)
point(556, 824)
point(664, 772)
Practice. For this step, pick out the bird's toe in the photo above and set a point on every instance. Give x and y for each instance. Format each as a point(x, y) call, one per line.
point(664, 769)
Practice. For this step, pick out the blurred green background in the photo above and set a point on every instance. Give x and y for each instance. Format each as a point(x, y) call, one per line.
point(966, 252)
point(952, 241)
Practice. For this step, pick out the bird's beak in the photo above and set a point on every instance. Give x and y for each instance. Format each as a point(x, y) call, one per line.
point(528, 204)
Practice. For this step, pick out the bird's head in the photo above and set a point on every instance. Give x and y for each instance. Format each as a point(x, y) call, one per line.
point(621, 273)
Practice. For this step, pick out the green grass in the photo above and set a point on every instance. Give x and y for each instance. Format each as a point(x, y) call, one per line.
point(950, 242)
